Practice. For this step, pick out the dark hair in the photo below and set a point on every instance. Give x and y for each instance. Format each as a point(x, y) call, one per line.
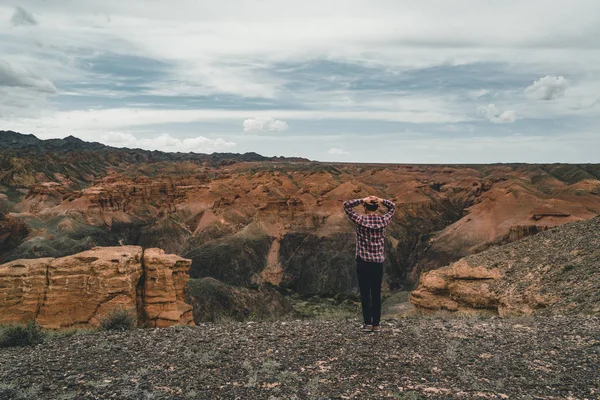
point(371, 207)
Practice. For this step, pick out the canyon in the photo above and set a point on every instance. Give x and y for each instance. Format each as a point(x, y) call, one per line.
point(250, 221)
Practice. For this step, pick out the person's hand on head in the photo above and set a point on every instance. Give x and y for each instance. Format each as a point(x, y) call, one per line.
point(371, 200)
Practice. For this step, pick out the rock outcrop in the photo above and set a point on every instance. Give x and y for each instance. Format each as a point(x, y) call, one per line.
point(554, 272)
point(85, 286)
point(162, 295)
point(78, 290)
point(458, 287)
point(23, 285)
point(518, 232)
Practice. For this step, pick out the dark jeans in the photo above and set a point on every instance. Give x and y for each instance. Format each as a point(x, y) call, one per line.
point(370, 275)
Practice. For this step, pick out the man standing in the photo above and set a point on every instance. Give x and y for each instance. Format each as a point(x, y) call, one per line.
point(370, 239)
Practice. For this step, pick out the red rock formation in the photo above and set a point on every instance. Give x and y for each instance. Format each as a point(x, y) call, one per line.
point(521, 231)
point(509, 210)
point(43, 196)
point(23, 285)
point(542, 212)
point(163, 294)
point(273, 270)
point(443, 213)
point(84, 286)
point(470, 289)
point(77, 290)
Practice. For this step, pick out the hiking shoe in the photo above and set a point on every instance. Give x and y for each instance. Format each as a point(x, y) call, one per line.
point(367, 328)
point(376, 328)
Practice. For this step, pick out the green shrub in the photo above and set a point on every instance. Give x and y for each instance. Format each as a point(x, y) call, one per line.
point(119, 319)
point(21, 335)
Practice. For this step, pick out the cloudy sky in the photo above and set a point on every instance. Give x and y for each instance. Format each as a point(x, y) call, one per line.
point(433, 81)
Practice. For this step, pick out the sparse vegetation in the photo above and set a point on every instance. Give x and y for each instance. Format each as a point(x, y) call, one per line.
point(325, 308)
point(21, 335)
point(568, 267)
point(119, 319)
point(15, 335)
point(219, 302)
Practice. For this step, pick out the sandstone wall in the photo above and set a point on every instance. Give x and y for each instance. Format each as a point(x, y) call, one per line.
point(23, 285)
point(78, 290)
point(163, 294)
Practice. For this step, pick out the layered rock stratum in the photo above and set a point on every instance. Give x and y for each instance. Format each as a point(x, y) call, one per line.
point(78, 290)
point(554, 272)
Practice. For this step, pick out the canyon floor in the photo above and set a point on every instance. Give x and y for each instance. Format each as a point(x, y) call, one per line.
point(412, 358)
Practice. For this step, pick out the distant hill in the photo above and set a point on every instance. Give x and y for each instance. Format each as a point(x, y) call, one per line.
point(26, 159)
point(15, 140)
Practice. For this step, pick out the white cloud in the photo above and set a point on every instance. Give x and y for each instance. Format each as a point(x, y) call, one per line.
point(229, 50)
point(166, 142)
point(264, 124)
point(118, 139)
point(18, 76)
point(216, 48)
point(458, 128)
point(494, 115)
point(573, 148)
point(549, 87)
point(118, 119)
point(337, 151)
point(22, 17)
point(22, 92)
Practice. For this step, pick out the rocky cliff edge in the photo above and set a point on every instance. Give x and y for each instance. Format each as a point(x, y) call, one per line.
point(78, 290)
point(554, 272)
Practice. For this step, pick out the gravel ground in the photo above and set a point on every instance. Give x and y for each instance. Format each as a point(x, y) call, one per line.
point(541, 358)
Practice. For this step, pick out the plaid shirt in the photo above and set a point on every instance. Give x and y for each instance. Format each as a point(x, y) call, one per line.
point(370, 230)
